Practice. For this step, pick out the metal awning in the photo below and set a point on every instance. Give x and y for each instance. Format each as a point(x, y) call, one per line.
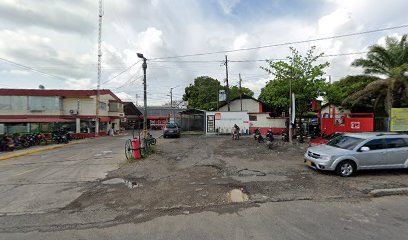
point(104, 119)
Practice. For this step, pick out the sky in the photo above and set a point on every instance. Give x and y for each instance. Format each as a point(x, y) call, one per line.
point(59, 40)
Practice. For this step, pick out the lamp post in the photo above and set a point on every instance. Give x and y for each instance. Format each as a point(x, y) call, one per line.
point(144, 66)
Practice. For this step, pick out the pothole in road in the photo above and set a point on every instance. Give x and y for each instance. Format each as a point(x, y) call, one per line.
point(237, 195)
point(130, 184)
point(249, 172)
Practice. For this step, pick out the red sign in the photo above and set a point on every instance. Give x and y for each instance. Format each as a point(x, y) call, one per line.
point(217, 116)
point(355, 125)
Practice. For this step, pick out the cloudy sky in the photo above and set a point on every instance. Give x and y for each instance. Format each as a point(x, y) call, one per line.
point(59, 38)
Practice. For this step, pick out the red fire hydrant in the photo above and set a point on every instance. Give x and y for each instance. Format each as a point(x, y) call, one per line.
point(136, 148)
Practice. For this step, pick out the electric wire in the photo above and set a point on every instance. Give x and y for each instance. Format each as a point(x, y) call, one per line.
point(285, 43)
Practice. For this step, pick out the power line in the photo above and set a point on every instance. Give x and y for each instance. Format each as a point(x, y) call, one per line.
point(125, 70)
point(285, 43)
point(255, 60)
point(31, 69)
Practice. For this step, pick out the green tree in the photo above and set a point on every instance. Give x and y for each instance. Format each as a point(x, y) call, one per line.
point(203, 94)
point(384, 59)
point(306, 76)
point(391, 61)
point(384, 94)
point(234, 91)
point(339, 90)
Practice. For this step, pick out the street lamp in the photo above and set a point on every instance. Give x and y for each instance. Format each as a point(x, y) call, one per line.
point(144, 66)
point(405, 74)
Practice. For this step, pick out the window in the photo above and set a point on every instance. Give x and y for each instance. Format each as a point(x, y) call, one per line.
point(13, 103)
point(345, 142)
point(252, 117)
point(114, 107)
point(376, 144)
point(396, 142)
point(43, 103)
point(102, 105)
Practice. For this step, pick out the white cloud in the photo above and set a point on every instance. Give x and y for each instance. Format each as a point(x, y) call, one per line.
point(228, 5)
point(77, 84)
point(63, 40)
point(125, 97)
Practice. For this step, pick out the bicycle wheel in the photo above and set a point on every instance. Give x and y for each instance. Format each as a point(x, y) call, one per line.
point(153, 141)
point(128, 149)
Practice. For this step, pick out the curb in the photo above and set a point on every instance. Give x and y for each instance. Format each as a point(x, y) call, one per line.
point(388, 192)
point(36, 151)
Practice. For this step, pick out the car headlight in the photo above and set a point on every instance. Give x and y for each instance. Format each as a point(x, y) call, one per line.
point(325, 157)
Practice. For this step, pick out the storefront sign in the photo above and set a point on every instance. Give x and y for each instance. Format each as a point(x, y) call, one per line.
point(217, 116)
point(355, 125)
point(399, 119)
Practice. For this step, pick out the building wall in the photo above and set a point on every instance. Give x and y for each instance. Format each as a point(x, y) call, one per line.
point(60, 107)
point(248, 105)
point(86, 105)
point(264, 123)
point(330, 110)
point(227, 121)
point(30, 105)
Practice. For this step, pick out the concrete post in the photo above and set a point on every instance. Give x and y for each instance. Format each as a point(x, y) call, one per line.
point(78, 125)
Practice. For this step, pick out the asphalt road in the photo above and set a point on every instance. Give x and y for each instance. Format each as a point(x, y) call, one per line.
point(49, 180)
point(34, 190)
point(382, 218)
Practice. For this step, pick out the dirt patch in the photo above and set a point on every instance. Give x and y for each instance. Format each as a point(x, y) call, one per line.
point(198, 173)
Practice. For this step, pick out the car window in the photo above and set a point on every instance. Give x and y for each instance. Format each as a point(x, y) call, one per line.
point(396, 142)
point(375, 144)
point(345, 142)
point(171, 126)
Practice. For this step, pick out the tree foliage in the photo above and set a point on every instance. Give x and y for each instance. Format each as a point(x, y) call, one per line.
point(306, 75)
point(339, 90)
point(383, 94)
point(203, 94)
point(384, 59)
point(390, 60)
point(235, 92)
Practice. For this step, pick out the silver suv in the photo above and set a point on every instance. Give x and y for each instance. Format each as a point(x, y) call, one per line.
point(350, 152)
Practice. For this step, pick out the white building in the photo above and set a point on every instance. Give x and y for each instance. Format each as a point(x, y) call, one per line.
point(29, 110)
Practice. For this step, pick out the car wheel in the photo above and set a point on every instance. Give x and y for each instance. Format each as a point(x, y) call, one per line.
point(346, 168)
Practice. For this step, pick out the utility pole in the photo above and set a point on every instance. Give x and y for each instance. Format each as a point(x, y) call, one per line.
point(137, 96)
point(226, 79)
point(99, 69)
point(290, 97)
point(144, 66)
point(240, 89)
point(171, 102)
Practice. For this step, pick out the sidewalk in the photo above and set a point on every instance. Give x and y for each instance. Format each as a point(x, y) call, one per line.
point(36, 149)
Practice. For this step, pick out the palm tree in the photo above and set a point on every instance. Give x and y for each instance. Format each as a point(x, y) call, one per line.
point(382, 60)
point(391, 61)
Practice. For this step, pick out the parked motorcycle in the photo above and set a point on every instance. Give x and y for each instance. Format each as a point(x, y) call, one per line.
point(40, 139)
point(150, 139)
point(235, 133)
point(258, 135)
point(60, 137)
point(269, 138)
point(285, 136)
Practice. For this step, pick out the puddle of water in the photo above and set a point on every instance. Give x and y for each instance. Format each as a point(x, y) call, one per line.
point(128, 183)
point(237, 195)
